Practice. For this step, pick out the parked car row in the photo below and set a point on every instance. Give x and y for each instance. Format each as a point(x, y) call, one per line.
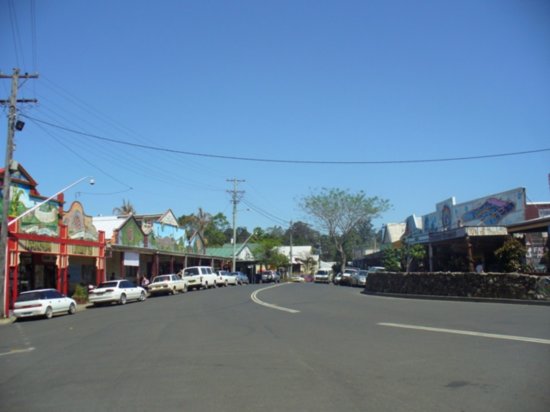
point(354, 277)
point(47, 302)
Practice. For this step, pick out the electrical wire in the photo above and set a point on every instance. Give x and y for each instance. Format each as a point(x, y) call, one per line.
point(15, 32)
point(131, 161)
point(265, 213)
point(34, 40)
point(265, 160)
point(113, 123)
point(85, 160)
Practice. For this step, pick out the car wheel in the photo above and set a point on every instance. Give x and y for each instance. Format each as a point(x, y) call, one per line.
point(72, 309)
point(142, 297)
point(122, 299)
point(49, 313)
point(184, 289)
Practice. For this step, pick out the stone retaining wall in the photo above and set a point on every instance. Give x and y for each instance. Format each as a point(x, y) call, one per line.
point(484, 285)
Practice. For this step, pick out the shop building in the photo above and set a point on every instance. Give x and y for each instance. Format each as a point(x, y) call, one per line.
point(48, 248)
point(464, 236)
point(149, 245)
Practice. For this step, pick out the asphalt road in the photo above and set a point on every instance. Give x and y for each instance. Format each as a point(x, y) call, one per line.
point(321, 348)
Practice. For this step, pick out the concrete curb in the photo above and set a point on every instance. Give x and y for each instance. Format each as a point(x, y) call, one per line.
point(460, 298)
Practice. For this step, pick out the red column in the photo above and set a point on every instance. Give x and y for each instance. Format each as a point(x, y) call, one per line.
point(63, 261)
point(100, 264)
point(63, 255)
point(12, 263)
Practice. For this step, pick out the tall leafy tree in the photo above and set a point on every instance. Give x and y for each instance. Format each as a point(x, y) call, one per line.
point(210, 227)
point(302, 234)
point(214, 231)
point(125, 209)
point(339, 212)
point(267, 254)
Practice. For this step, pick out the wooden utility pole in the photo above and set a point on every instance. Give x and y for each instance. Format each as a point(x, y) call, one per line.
point(235, 198)
point(13, 124)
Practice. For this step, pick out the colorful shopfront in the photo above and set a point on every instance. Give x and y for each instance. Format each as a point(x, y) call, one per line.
point(462, 237)
point(148, 245)
point(49, 248)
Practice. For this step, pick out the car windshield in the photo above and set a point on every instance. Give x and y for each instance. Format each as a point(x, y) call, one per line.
point(25, 297)
point(108, 285)
point(161, 279)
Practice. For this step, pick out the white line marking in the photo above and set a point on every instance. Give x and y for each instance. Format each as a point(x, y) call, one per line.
point(255, 299)
point(469, 333)
point(16, 351)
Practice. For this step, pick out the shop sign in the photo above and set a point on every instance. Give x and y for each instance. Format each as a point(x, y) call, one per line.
point(35, 246)
point(82, 250)
point(131, 259)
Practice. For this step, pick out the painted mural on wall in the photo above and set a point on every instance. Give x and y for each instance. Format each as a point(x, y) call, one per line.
point(168, 237)
point(78, 224)
point(43, 221)
point(130, 234)
point(500, 209)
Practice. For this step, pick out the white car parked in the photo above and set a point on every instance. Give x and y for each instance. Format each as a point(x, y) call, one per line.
point(323, 276)
point(42, 302)
point(167, 284)
point(119, 291)
point(199, 277)
point(227, 278)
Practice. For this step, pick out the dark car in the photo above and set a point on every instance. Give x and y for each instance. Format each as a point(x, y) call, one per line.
point(270, 276)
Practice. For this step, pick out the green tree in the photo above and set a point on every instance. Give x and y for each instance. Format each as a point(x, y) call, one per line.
point(127, 208)
point(339, 212)
point(302, 235)
point(276, 232)
point(267, 254)
point(392, 259)
point(511, 255)
point(215, 230)
point(211, 228)
point(410, 254)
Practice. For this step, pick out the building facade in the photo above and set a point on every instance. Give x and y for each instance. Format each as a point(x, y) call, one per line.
point(49, 247)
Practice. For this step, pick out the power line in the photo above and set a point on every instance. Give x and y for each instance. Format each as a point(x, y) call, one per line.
point(265, 213)
point(265, 160)
point(15, 32)
point(86, 160)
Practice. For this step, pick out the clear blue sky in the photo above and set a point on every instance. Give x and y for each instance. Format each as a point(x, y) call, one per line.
point(295, 80)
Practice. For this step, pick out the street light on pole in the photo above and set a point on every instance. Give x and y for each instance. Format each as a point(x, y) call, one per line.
point(4, 237)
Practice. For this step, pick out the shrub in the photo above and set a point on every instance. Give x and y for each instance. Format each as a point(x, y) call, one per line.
point(80, 294)
point(511, 255)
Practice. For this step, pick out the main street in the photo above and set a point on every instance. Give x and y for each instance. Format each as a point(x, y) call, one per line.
point(294, 347)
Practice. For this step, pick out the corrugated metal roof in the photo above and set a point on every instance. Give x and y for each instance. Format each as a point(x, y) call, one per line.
point(108, 224)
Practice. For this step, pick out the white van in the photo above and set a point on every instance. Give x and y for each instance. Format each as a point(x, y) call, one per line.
point(199, 277)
